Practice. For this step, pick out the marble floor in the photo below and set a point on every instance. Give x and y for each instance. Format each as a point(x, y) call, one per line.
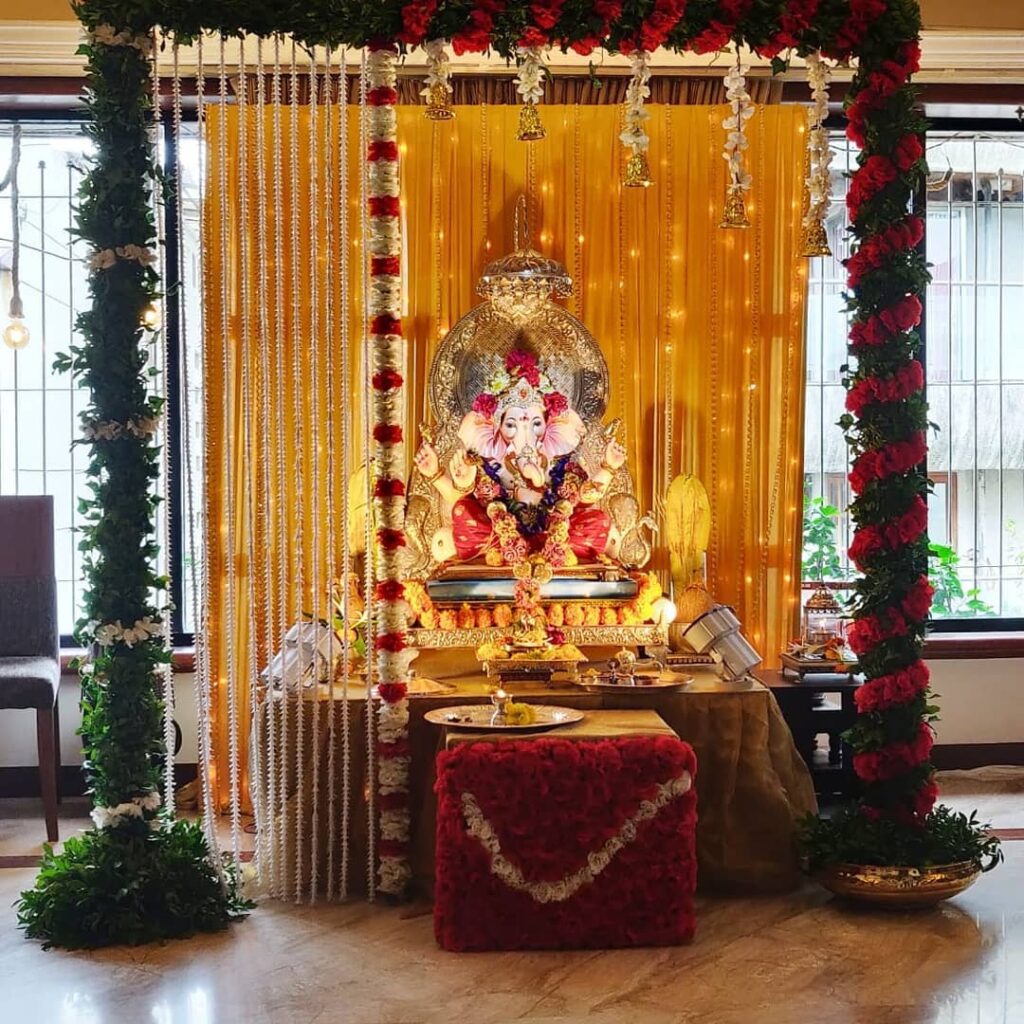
point(796, 959)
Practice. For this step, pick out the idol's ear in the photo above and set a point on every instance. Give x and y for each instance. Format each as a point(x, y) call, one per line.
point(563, 434)
point(478, 433)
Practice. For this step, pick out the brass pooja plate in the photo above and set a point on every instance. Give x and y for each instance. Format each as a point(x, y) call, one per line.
point(483, 717)
point(663, 684)
point(899, 887)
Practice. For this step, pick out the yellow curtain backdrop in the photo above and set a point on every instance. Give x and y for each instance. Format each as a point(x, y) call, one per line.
point(702, 329)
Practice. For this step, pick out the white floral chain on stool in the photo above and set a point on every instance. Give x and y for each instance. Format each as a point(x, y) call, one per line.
point(597, 860)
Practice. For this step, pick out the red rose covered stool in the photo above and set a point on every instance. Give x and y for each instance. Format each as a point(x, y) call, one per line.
point(566, 841)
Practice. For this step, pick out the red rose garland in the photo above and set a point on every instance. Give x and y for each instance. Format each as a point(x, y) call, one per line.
point(886, 274)
point(384, 309)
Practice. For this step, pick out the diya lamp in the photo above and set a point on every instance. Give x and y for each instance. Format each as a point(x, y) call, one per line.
point(500, 701)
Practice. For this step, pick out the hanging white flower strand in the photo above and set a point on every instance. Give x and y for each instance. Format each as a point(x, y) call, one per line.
point(437, 86)
point(529, 85)
point(819, 153)
point(634, 135)
point(742, 110)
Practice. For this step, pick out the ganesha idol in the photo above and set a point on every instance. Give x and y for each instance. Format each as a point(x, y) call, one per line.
point(516, 486)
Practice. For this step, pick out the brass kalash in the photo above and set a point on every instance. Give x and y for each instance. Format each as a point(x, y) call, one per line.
point(504, 554)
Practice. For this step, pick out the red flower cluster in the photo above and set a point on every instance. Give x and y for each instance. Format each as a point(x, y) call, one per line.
point(873, 252)
point(389, 539)
point(382, 150)
point(895, 457)
point(879, 86)
point(387, 433)
point(392, 693)
point(388, 487)
point(906, 381)
point(918, 600)
point(382, 96)
point(384, 206)
point(543, 17)
point(523, 364)
point(877, 330)
point(400, 748)
point(853, 30)
point(390, 266)
point(555, 403)
point(485, 404)
point(552, 803)
point(797, 17)
point(925, 797)
point(392, 642)
point(907, 151)
point(875, 174)
point(385, 380)
point(895, 759)
point(866, 634)
point(384, 323)
point(416, 21)
point(905, 529)
point(476, 36)
point(608, 11)
point(892, 690)
point(389, 590)
point(655, 28)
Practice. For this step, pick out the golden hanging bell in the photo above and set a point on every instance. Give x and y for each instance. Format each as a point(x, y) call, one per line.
point(815, 241)
point(439, 103)
point(735, 215)
point(530, 126)
point(638, 171)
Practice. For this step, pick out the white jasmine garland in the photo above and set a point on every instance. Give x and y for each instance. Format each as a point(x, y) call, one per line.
point(107, 35)
point(597, 860)
point(635, 134)
point(393, 774)
point(439, 69)
point(395, 825)
point(109, 817)
point(110, 633)
point(530, 74)
point(736, 139)
point(819, 178)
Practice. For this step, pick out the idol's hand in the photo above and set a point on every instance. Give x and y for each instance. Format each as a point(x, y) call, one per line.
point(462, 470)
point(427, 461)
point(614, 455)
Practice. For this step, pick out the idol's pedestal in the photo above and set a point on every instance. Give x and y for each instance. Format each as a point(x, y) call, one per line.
point(752, 784)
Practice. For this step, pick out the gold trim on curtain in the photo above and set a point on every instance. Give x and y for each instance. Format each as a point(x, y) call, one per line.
point(702, 327)
point(609, 90)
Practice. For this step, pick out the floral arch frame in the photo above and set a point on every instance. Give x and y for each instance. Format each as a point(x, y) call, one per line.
point(885, 424)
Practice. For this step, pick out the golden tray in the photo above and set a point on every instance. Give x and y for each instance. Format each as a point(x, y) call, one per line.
point(647, 635)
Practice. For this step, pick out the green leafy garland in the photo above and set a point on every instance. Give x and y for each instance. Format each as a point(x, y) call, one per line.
point(138, 876)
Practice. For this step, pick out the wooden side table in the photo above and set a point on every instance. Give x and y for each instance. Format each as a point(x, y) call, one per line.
point(816, 704)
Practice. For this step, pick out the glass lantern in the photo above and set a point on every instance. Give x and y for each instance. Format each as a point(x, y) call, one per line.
point(823, 619)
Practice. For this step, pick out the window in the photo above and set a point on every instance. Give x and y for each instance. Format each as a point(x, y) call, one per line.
point(39, 408)
point(975, 379)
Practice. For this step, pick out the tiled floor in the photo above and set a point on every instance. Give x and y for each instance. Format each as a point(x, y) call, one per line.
point(781, 960)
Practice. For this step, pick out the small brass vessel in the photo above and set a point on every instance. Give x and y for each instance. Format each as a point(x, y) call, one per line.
point(899, 887)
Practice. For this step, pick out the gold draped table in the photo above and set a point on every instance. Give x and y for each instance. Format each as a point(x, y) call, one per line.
point(752, 785)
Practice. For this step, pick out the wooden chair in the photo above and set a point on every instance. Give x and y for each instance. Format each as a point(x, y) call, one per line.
point(29, 638)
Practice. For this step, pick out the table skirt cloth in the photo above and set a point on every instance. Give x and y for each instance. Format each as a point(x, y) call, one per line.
point(548, 843)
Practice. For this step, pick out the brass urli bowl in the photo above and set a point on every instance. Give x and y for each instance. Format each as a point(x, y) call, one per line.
point(899, 887)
